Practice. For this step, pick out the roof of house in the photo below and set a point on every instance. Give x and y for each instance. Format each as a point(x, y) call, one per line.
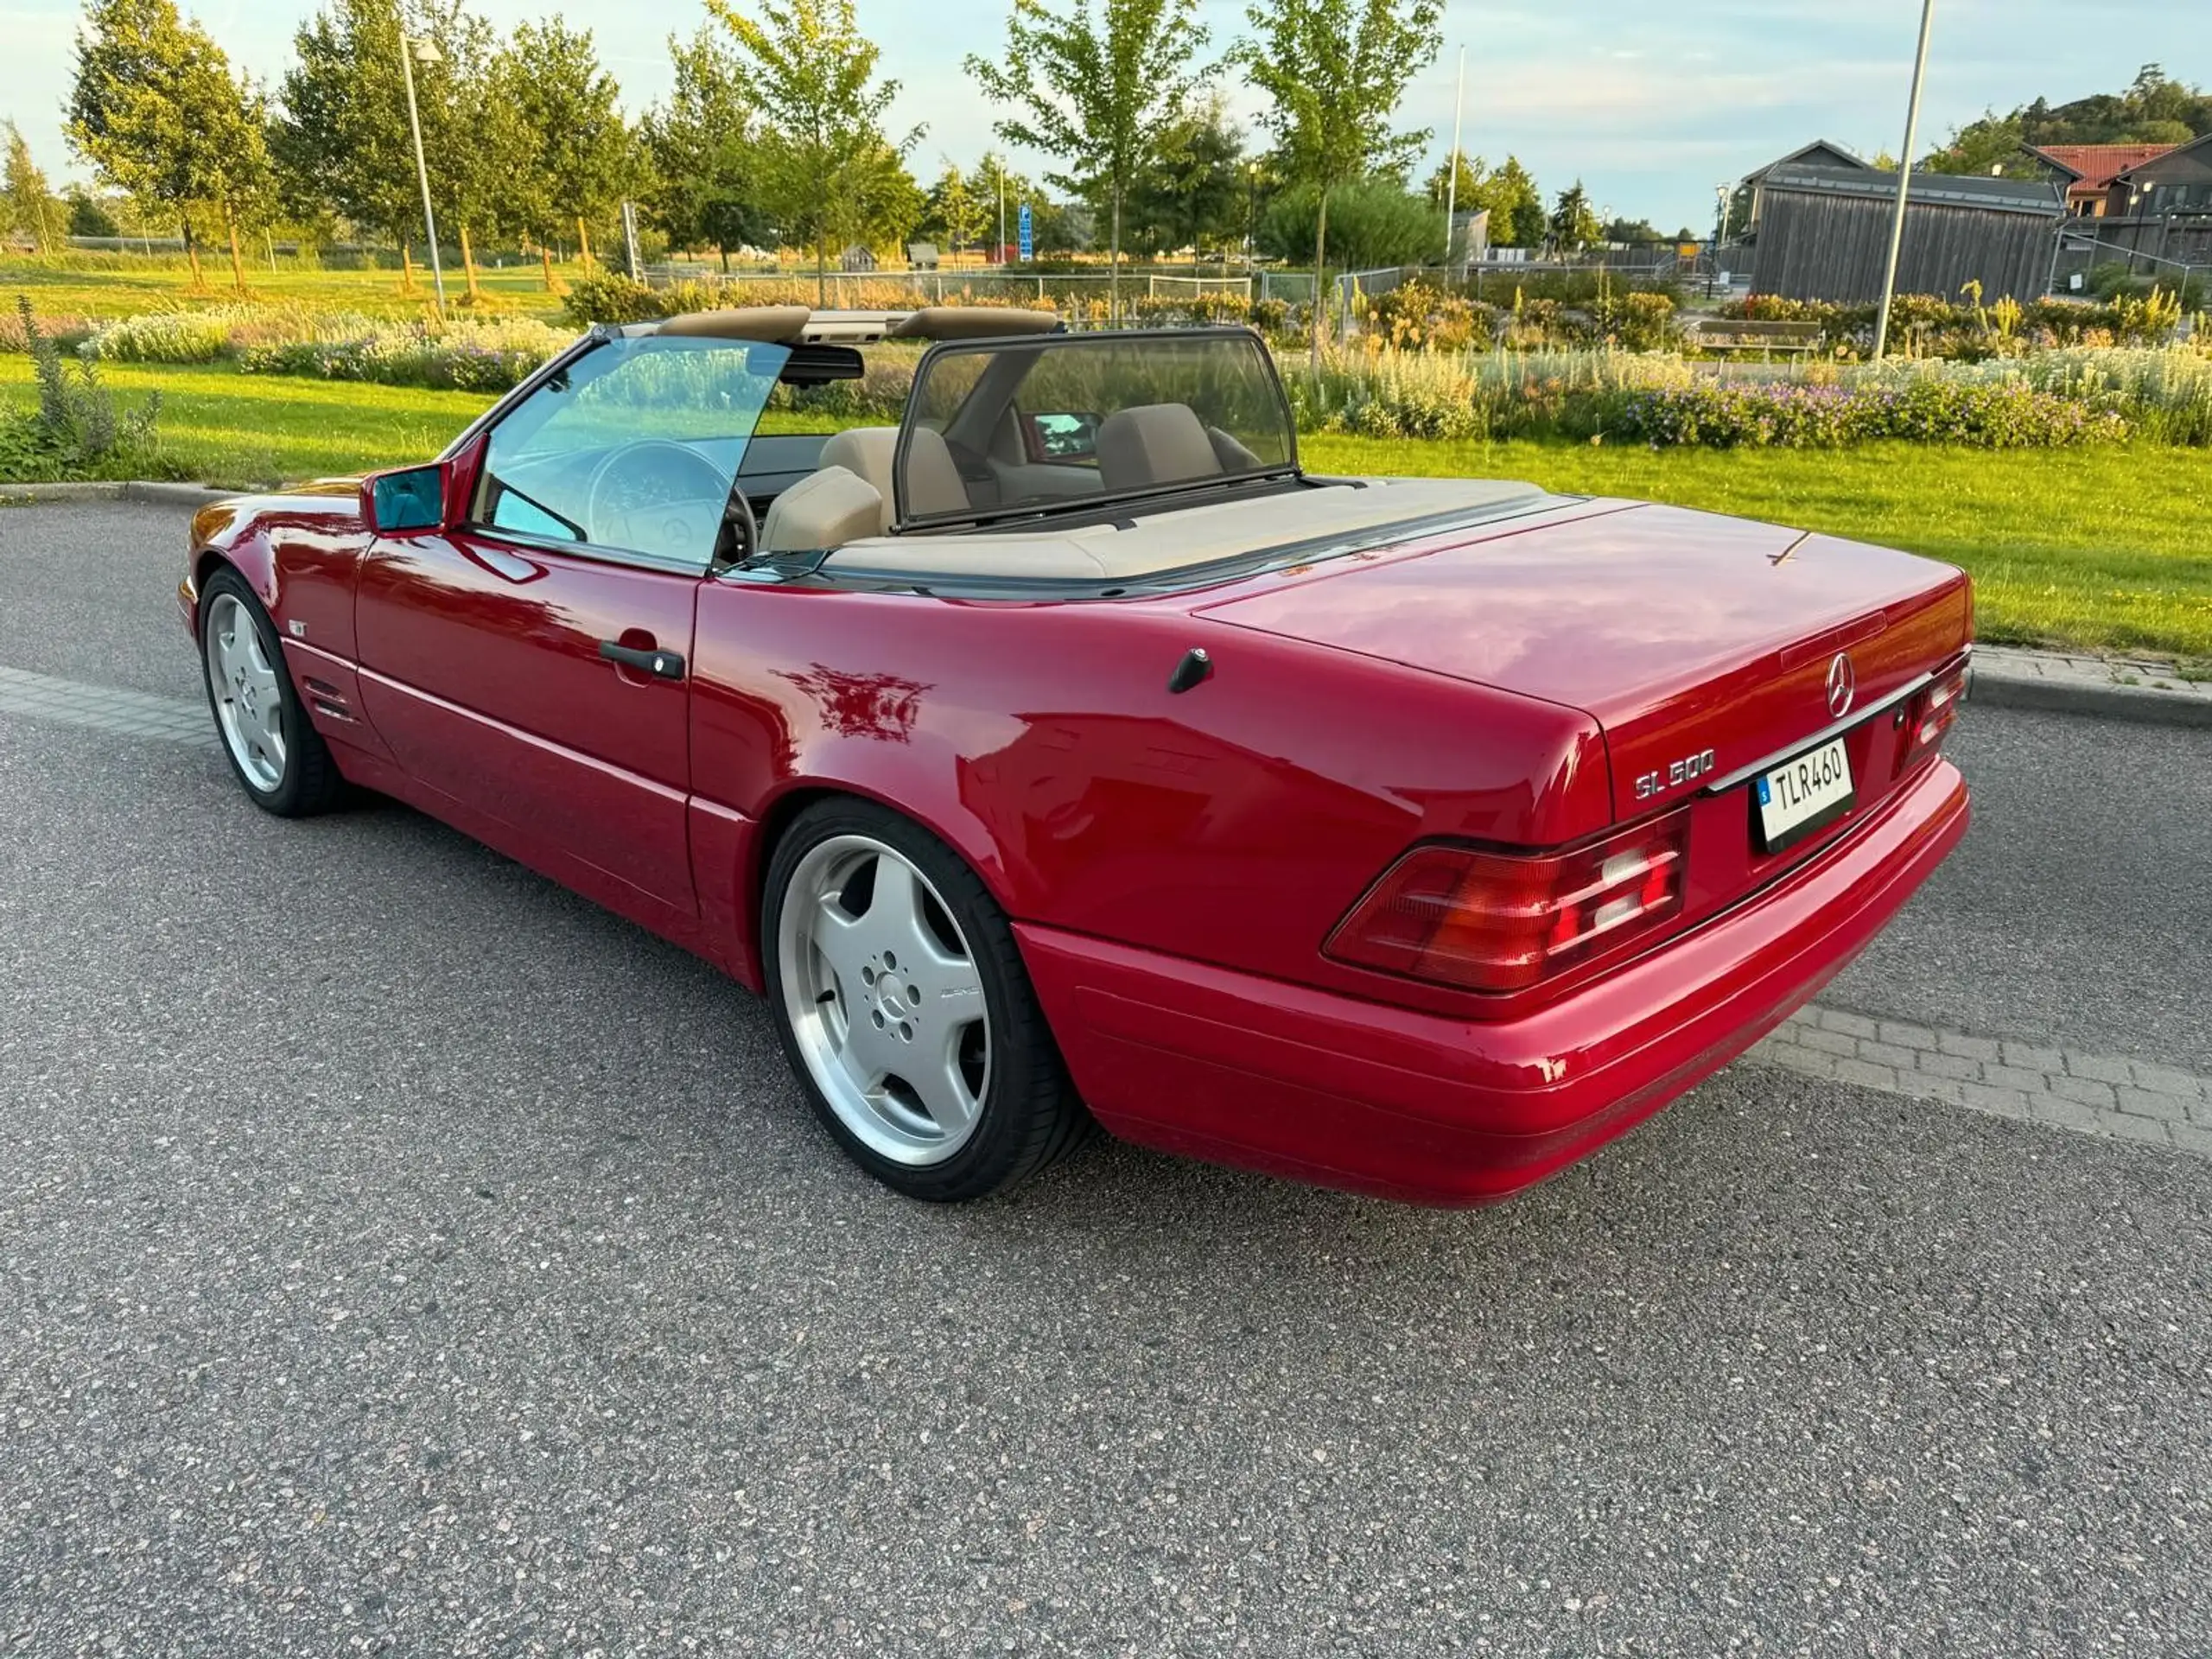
point(2167, 154)
point(2098, 165)
point(1931, 189)
point(1822, 153)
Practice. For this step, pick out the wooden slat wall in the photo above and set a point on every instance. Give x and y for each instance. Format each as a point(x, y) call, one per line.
point(1826, 247)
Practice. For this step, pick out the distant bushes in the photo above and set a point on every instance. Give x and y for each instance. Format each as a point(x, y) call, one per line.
point(1966, 330)
point(1615, 397)
point(1992, 415)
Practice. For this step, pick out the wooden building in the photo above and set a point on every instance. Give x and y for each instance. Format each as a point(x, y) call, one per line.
point(1823, 234)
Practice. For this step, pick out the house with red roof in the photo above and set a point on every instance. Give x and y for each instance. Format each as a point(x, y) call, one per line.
point(2090, 171)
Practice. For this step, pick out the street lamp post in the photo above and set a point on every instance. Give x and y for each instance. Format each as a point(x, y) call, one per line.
point(410, 53)
point(1905, 181)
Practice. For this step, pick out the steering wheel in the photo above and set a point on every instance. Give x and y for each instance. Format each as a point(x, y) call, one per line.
point(675, 507)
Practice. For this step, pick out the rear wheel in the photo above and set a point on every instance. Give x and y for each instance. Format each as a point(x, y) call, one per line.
point(903, 1003)
point(279, 758)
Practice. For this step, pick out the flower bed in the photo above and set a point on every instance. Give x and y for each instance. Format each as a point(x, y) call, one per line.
point(1987, 414)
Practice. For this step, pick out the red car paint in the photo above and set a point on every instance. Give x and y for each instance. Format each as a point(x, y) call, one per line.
point(1174, 863)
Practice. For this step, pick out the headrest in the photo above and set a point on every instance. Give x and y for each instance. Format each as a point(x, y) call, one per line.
point(1154, 444)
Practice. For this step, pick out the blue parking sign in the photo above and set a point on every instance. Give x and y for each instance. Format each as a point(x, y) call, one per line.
point(1028, 250)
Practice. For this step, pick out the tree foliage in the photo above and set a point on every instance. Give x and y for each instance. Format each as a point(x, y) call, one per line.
point(1099, 94)
point(1574, 223)
point(155, 111)
point(700, 184)
point(2155, 109)
point(1194, 192)
point(955, 215)
point(1333, 71)
point(579, 157)
point(1372, 222)
point(828, 171)
point(27, 204)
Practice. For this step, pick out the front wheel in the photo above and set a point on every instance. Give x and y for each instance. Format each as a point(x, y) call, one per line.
point(902, 1001)
point(279, 758)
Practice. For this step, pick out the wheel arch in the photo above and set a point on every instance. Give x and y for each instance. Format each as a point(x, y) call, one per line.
point(964, 835)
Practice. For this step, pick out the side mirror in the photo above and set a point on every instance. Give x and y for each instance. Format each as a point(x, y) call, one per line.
point(406, 501)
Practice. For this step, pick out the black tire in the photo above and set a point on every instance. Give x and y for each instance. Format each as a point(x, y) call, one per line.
point(309, 781)
point(1029, 1116)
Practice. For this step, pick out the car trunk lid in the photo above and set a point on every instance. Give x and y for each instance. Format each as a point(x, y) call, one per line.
point(1701, 645)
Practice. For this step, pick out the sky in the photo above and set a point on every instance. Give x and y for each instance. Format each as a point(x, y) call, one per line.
point(1650, 106)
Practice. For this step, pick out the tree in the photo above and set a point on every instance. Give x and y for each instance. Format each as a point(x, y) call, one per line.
point(1099, 94)
point(2155, 108)
point(88, 215)
point(156, 113)
point(1517, 218)
point(1442, 191)
point(700, 179)
point(28, 203)
point(1375, 221)
point(1193, 192)
point(341, 141)
point(1334, 72)
point(1574, 223)
point(579, 157)
point(825, 166)
point(955, 214)
point(1633, 231)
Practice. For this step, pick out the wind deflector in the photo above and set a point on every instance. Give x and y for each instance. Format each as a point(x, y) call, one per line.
point(1013, 429)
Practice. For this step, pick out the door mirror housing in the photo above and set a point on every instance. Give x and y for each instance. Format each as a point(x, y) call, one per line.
point(406, 501)
point(1073, 436)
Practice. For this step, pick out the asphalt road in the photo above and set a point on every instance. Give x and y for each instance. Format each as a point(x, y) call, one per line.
point(396, 1253)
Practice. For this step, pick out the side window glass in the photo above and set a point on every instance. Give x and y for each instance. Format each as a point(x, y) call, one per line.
point(632, 447)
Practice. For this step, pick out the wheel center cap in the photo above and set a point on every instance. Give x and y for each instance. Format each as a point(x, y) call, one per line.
point(894, 1004)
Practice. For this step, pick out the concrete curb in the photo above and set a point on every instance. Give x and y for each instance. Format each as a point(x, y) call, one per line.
point(187, 495)
point(2149, 694)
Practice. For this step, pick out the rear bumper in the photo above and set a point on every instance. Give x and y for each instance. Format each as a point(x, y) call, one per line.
point(1363, 1095)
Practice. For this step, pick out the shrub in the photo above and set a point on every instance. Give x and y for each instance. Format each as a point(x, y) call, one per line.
point(164, 337)
point(1995, 414)
point(609, 296)
point(75, 430)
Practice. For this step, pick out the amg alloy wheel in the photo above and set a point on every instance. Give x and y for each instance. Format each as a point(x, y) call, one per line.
point(902, 1001)
point(278, 757)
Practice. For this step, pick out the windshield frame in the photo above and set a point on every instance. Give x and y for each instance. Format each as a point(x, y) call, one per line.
point(1085, 506)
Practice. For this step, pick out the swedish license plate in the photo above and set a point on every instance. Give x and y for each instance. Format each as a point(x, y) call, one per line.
point(1801, 796)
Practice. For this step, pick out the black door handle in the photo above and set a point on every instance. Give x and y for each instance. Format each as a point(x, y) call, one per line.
point(661, 664)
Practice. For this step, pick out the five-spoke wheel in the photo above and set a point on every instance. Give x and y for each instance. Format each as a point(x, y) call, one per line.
point(277, 753)
point(902, 1000)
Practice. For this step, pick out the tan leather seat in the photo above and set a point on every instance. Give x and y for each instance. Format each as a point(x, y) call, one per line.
point(825, 509)
point(933, 483)
point(1152, 444)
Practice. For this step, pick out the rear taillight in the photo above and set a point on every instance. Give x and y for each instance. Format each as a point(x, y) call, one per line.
point(1930, 712)
point(1502, 922)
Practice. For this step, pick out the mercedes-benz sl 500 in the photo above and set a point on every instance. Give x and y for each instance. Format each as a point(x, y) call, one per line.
point(1068, 754)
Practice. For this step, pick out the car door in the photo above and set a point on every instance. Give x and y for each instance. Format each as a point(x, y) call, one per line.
point(532, 663)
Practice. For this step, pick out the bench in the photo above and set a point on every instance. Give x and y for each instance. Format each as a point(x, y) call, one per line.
point(1737, 334)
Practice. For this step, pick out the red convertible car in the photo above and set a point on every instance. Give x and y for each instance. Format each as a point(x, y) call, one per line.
point(1068, 754)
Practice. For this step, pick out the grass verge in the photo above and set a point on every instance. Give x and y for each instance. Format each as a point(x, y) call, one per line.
point(2098, 548)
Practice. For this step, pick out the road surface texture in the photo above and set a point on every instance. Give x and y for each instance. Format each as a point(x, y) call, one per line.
point(397, 1254)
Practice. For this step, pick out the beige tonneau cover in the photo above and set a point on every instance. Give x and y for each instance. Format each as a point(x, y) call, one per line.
point(1164, 541)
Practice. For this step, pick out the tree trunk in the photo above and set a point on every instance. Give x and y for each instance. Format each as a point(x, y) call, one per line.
point(468, 266)
point(722, 248)
point(1320, 246)
point(821, 271)
point(546, 261)
point(192, 257)
point(583, 241)
point(1114, 271)
point(406, 267)
point(238, 263)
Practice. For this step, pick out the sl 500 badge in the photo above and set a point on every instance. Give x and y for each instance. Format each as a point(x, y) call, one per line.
point(1688, 770)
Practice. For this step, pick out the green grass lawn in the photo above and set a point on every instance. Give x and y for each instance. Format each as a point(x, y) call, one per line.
point(126, 288)
point(2107, 548)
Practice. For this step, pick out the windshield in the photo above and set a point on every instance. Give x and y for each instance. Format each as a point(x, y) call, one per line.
point(1071, 420)
point(632, 446)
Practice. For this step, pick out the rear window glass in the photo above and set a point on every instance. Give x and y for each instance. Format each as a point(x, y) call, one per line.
point(1010, 428)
